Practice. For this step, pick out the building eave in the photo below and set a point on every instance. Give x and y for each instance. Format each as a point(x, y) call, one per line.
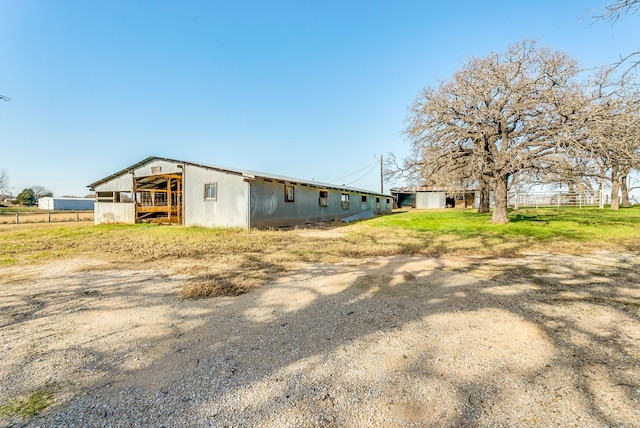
point(245, 173)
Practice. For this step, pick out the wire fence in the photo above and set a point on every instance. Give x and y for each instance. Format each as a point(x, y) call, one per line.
point(44, 217)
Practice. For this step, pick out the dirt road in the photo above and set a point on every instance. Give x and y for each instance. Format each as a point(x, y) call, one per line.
point(397, 341)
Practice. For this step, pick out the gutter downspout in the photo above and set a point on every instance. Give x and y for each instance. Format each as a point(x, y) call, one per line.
point(182, 193)
point(134, 191)
point(248, 178)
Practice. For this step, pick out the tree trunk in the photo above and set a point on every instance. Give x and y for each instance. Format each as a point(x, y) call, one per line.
point(500, 213)
point(625, 192)
point(483, 205)
point(615, 195)
point(615, 189)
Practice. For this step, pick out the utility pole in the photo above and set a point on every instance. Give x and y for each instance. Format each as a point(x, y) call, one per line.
point(381, 180)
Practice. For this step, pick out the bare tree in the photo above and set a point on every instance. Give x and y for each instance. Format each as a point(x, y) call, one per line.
point(615, 10)
point(498, 116)
point(40, 192)
point(612, 131)
point(611, 13)
point(605, 145)
point(4, 182)
point(627, 185)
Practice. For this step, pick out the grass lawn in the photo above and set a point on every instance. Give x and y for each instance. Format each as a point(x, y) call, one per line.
point(577, 225)
point(434, 233)
point(233, 260)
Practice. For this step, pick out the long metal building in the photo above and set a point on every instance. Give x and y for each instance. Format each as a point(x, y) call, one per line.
point(193, 194)
point(54, 203)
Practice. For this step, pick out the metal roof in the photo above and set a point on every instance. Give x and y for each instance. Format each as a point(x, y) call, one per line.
point(415, 189)
point(243, 172)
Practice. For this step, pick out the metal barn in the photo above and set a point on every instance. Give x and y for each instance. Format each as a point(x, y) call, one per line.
point(178, 192)
point(434, 197)
point(74, 204)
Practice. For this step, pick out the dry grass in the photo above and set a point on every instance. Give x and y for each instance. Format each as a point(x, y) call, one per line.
point(215, 284)
point(230, 261)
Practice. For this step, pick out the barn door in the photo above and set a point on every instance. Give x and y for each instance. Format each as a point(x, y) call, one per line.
point(159, 199)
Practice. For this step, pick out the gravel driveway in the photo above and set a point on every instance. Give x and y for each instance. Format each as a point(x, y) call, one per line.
point(538, 340)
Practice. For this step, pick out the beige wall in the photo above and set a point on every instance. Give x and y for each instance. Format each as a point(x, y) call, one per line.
point(109, 212)
point(230, 209)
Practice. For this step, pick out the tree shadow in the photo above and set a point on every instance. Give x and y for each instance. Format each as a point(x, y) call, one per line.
point(390, 341)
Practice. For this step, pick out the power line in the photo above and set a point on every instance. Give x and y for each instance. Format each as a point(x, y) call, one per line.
point(354, 173)
point(365, 174)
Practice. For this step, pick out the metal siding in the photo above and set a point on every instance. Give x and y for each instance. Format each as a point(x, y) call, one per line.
point(110, 212)
point(430, 200)
point(230, 207)
point(72, 204)
point(269, 209)
point(166, 167)
point(123, 183)
point(45, 203)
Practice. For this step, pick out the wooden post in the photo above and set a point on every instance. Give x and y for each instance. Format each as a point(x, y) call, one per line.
point(49, 216)
point(17, 218)
point(169, 199)
point(77, 216)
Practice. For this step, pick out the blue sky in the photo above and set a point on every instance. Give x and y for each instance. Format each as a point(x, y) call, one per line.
point(311, 90)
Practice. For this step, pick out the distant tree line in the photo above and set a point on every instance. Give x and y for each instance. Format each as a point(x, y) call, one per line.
point(29, 196)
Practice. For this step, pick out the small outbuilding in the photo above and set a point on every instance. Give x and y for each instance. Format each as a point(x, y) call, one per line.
point(193, 194)
point(423, 197)
point(70, 204)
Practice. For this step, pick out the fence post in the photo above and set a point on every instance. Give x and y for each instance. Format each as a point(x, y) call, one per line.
point(17, 218)
point(77, 216)
point(49, 216)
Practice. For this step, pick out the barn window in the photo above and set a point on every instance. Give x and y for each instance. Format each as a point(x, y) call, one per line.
point(105, 196)
point(377, 203)
point(289, 193)
point(324, 198)
point(156, 170)
point(345, 201)
point(364, 199)
point(211, 191)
